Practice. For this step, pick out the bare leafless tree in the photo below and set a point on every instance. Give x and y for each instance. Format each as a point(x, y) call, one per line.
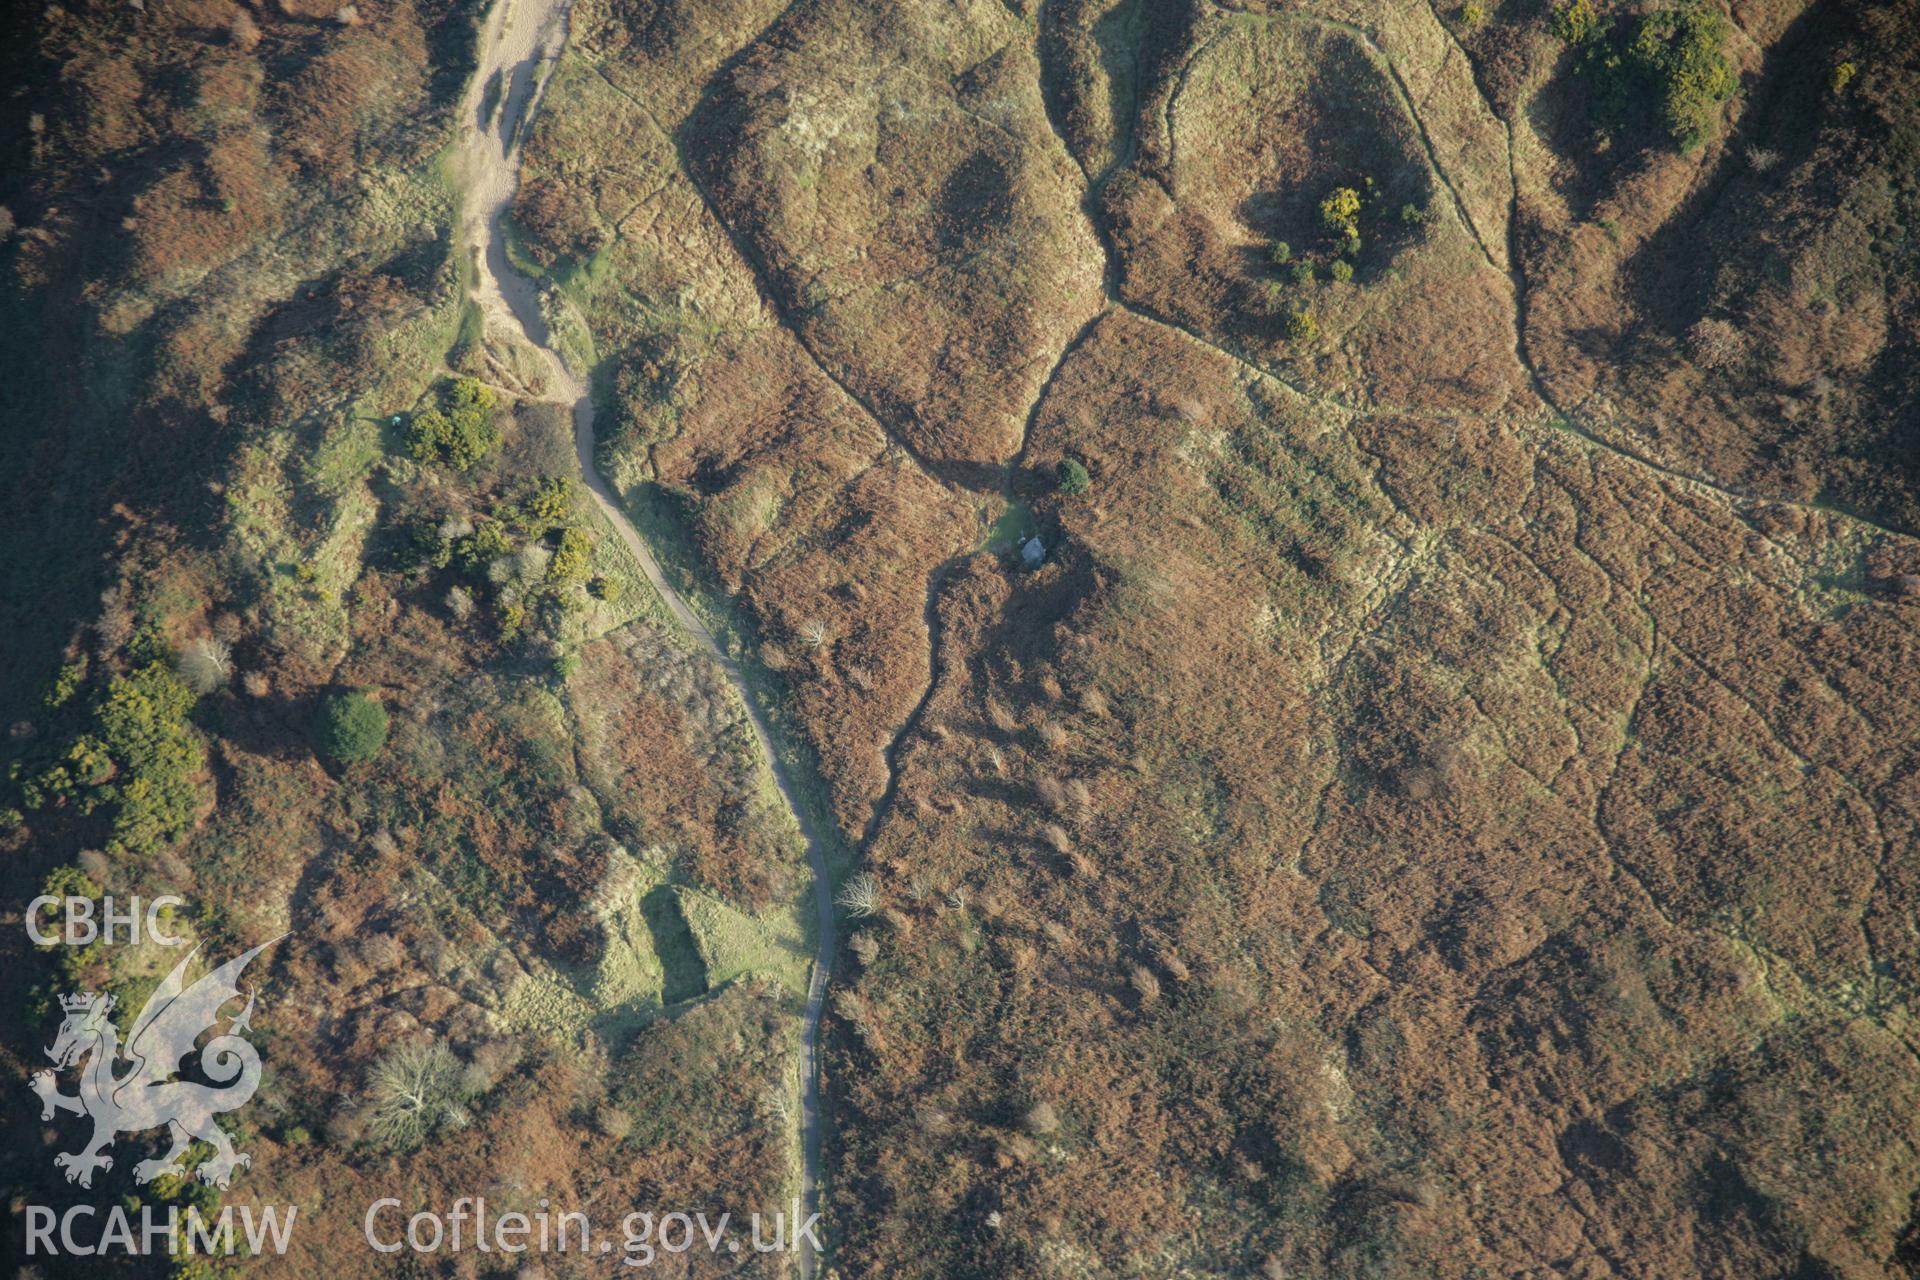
point(859, 896)
point(205, 664)
point(413, 1091)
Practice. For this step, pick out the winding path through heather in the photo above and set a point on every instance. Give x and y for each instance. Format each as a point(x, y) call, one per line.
point(520, 36)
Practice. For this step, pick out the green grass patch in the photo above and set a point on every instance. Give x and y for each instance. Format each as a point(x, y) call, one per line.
point(731, 944)
point(1013, 526)
point(684, 971)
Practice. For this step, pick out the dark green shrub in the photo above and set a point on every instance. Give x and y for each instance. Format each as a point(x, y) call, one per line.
point(1577, 22)
point(64, 685)
point(1671, 74)
point(421, 546)
point(482, 547)
point(427, 434)
point(351, 728)
point(1071, 477)
point(142, 726)
point(551, 501)
point(569, 563)
point(461, 434)
point(1340, 212)
point(1282, 253)
point(1303, 272)
point(139, 755)
point(1680, 51)
point(64, 881)
point(470, 393)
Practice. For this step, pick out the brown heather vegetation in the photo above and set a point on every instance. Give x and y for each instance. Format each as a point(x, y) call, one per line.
point(1804, 255)
point(750, 455)
point(233, 267)
point(665, 743)
point(1390, 834)
point(1444, 804)
point(928, 197)
point(1442, 933)
point(1315, 108)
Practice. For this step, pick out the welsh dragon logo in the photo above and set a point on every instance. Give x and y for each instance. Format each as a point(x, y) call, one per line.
point(145, 1094)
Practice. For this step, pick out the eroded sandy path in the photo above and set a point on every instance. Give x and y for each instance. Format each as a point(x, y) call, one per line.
point(521, 38)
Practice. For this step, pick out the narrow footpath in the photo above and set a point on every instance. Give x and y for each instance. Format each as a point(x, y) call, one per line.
point(520, 40)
